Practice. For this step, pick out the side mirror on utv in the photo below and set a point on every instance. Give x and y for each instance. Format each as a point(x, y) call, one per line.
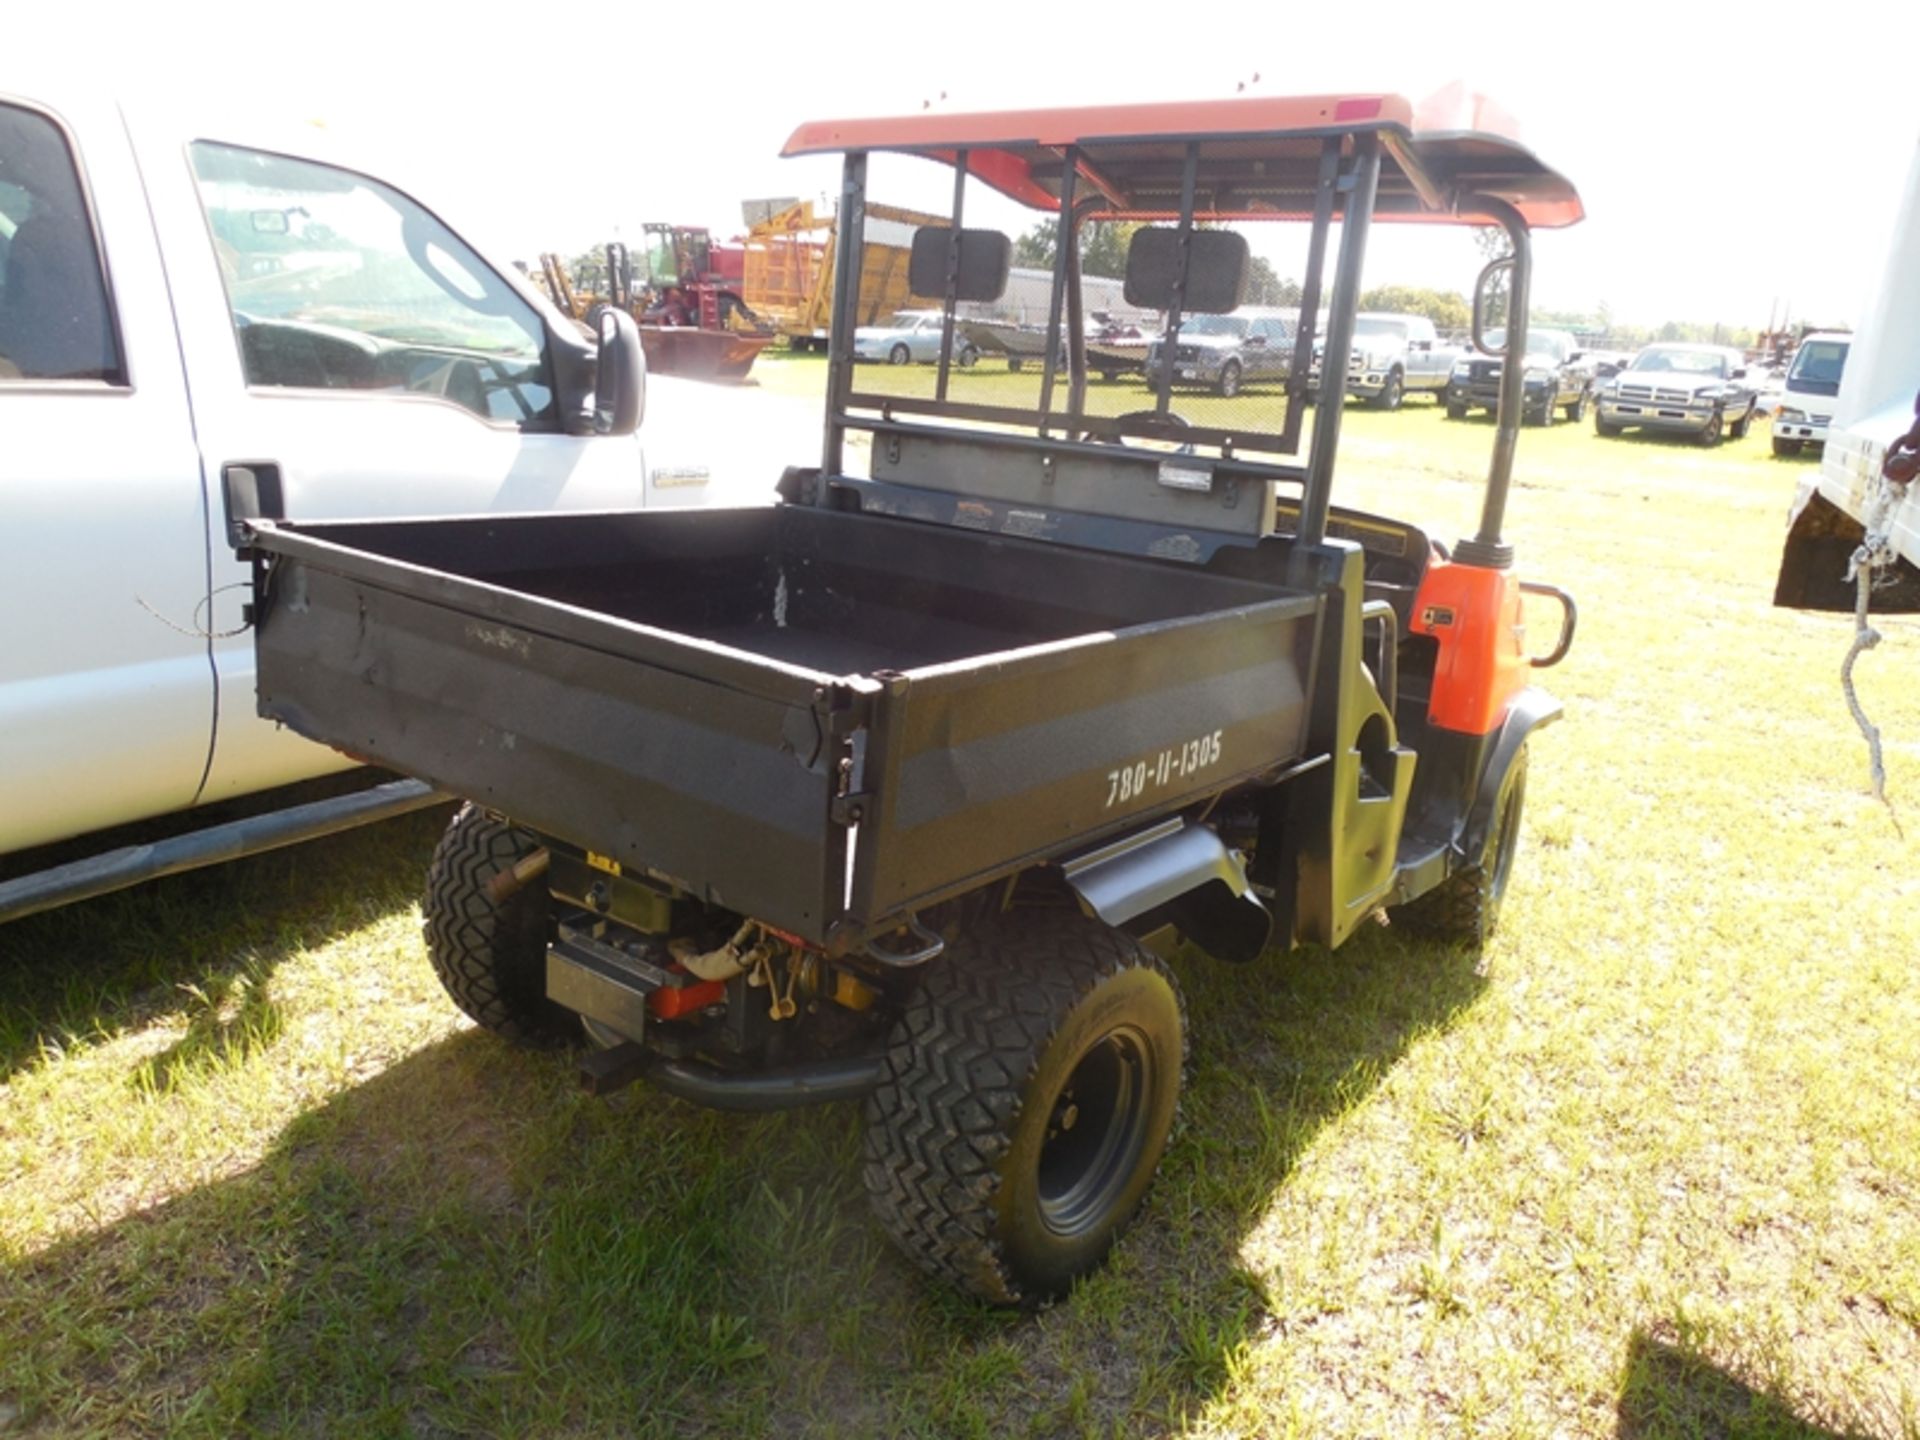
point(1215, 280)
point(620, 382)
point(979, 270)
point(1487, 293)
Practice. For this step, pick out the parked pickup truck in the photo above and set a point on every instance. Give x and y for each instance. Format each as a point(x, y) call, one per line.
point(878, 793)
point(1552, 379)
point(1684, 389)
point(175, 299)
point(1393, 354)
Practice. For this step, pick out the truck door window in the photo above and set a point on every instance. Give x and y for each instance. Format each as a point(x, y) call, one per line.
point(55, 322)
point(338, 282)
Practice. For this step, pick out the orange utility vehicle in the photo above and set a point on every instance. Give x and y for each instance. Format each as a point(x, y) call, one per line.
point(880, 793)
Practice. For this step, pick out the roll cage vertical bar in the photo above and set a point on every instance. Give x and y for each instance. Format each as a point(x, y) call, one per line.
point(1487, 550)
point(1361, 182)
point(1297, 394)
point(952, 293)
point(1189, 179)
point(1065, 291)
point(849, 264)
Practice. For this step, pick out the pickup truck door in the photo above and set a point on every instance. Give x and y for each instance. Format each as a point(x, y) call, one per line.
point(106, 689)
point(335, 327)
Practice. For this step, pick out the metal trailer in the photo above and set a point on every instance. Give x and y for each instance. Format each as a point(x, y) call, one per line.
point(1856, 497)
point(877, 793)
point(791, 259)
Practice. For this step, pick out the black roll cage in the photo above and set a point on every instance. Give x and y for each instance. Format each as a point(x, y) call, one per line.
point(1346, 188)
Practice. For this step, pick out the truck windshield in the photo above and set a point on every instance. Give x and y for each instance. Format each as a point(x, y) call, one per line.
point(1213, 325)
point(1682, 362)
point(1372, 325)
point(1820, 360)
point(1552, 346)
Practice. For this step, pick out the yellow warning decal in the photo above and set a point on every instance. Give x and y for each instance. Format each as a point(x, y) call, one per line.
point(603, 862)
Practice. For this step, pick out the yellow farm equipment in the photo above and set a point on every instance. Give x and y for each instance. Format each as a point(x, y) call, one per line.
point(788, 275)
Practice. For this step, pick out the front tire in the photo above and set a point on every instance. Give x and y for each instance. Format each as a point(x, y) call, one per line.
point(1740, 426)
point(1577, 411)
point(1392, 393)
point(1229, 382)
point(1786, 449)
point(491, 955)
point(1604, 427)
point(1456, 411)
point(899, 355)
point(1465, 907)
point(1028, 1094)
point(1715, 432)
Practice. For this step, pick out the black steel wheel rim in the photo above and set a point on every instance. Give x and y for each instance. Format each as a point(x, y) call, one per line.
point(1097, 1130)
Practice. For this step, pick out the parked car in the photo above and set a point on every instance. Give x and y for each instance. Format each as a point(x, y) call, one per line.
point(1698, 390)
point(912, 335)
point(1555, 380)
point(1807, 399)
point(276, 319)
point(1393, 354)
point(1226, 351)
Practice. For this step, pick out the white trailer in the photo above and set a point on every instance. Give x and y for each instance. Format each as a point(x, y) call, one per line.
point(1877, 405)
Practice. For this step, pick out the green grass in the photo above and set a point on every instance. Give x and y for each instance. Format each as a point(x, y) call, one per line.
point(1650, 1166)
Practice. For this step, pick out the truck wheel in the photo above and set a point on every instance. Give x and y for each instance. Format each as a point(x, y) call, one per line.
point(1455, 411)
point(1738, 430)
point(1392, 393)
point(491, 955)
point(966, 357)
point(1229, 382)
point(1542, 416)
point(1785, 449)
point(1028, 1094)
point(1603, 426)
point(899, 355)
point(1716, 430)
point(1466, 905)
point(1577, 411)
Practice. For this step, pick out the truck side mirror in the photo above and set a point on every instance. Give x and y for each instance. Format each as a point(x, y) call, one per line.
point(620, 382)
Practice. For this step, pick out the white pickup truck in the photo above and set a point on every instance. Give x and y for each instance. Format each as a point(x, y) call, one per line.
point(1393, 354)
point(173, 300)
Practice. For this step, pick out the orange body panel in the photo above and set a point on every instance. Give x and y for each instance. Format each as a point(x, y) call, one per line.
point(1475, 614)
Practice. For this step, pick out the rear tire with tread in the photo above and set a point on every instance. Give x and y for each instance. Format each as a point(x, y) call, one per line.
point(1029, 1090)
point(491, 955)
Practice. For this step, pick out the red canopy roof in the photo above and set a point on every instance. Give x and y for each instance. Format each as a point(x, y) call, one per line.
point(1259, 156)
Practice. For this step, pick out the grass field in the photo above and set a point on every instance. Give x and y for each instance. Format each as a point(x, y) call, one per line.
point(1650, 1166)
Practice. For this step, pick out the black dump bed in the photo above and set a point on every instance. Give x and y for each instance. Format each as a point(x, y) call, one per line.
point(817, 718)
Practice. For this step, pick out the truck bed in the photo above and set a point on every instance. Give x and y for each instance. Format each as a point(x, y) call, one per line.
point(818, 718)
